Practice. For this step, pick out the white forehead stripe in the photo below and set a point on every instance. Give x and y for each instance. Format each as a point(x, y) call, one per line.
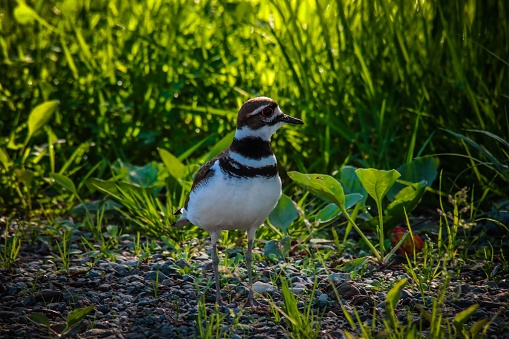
point(259, 109)
point(267, 161)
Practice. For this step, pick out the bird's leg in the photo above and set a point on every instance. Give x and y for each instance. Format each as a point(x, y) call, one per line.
point(249, 261)
point(215, 263)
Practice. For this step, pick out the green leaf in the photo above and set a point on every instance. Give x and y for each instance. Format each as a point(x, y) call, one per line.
point(277, 249)
point(406, 200)
point(40, 116)
point(425, 168)
point(24, 176)
point(40, 319)
point(461, 318)
point(355, 265)
point(143, 176)
point(221, 145)
point(103, 185)
point(395, 294)
point(328, 213)
point(193, 148)
point(284, 214)
point(499, 166)
point(351, 183)
point(24, 14)
point(78, 314)
point(112, 230)
point(65, 182)
point(172, 244)
point(493, 136)
point(112, 187)
point(332, 211)
point(176, 168)
point(477, 327)
point(4, 158)
point(96, 205)
point(322, 185)
point(377, 182)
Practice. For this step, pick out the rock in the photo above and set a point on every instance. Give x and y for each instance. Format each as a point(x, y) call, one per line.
point(42, 248)
point(48, 295)
point(322, 300)
point(340, 278)
point(297, 290)
point(182, 263)
point(347, 290)
point(264, 288)
point(5, 315)
point(29, 301)
point(94, 274)
point(104, 287)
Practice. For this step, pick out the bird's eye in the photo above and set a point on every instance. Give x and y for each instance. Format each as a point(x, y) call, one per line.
point(267, 112)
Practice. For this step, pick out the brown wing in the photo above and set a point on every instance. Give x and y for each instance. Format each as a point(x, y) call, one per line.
point(204, 173)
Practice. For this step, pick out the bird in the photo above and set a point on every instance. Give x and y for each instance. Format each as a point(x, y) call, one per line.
point(237, 189)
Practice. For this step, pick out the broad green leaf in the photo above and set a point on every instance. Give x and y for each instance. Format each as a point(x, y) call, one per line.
point(462, 317)
point(425, 168)
point(65, 182)
point(406, 200)
point(277, 249)
point(24, 14)
point(328, 213)
point(40, 319)
point(4, 158)
point(477, 327)
point(394, 294)
point(355, 265)
point(352, 199)
point(221, 145)
point(351, 183)
point(322, 185)
point(70, 7)
point(78, 314)
point(143, 176)
point(377, 182)
point(332, 211)
point(96, 205)
point(24, 176)
point(174, 166)
point(172, 244)
point(40, 116)
point(104, 185)
point(284, 214)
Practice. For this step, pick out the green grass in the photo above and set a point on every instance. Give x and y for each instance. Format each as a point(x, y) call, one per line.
point(376, 79)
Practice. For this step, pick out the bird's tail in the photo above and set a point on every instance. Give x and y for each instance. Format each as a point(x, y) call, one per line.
point(183, 221)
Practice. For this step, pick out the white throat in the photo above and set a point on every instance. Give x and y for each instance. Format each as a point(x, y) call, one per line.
point(264, 132)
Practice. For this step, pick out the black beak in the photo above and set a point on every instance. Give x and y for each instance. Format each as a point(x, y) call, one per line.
point(291, 120)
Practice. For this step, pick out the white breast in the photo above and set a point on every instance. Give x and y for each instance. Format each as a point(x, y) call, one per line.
point(226, 203)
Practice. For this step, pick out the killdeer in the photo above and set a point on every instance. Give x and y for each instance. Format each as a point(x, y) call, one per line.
point(241, 186)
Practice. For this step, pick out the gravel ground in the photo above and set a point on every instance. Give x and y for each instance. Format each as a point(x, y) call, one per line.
point(127, 304)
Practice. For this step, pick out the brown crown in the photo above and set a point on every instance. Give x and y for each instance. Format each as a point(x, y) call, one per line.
point(249, 107)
